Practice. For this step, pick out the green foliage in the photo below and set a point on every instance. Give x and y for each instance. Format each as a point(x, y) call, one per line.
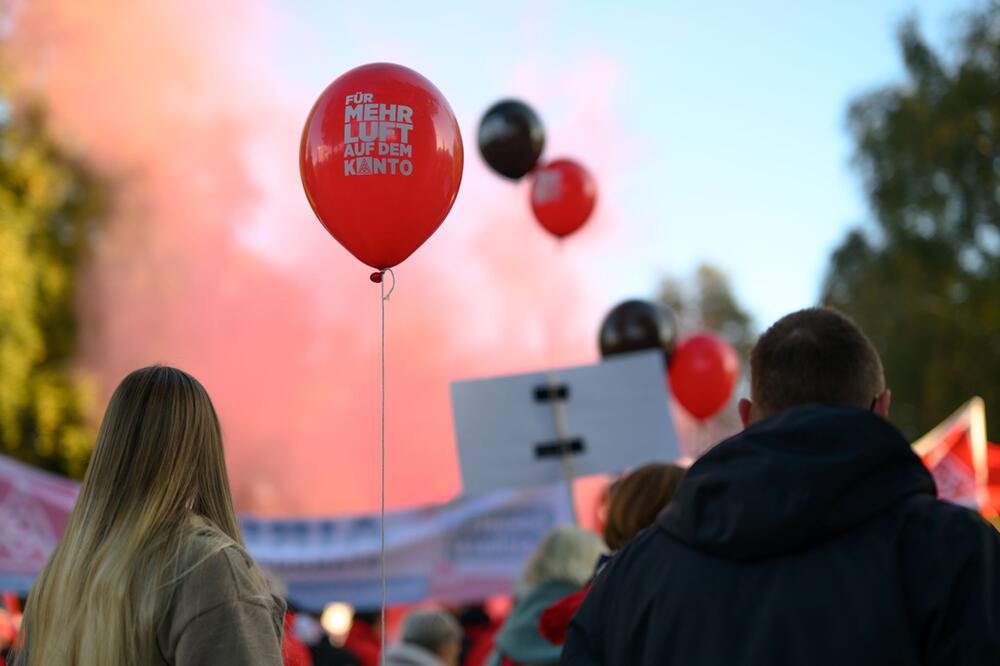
point(709, 304)
point(924, 280)
point(49, 203)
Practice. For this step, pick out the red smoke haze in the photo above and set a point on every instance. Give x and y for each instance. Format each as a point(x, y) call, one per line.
point(213, 262)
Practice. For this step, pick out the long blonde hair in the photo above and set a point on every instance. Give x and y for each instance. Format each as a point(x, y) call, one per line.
point(157, 466)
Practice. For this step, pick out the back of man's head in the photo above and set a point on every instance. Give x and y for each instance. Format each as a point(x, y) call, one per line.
point(436, 631)
point(814, 356)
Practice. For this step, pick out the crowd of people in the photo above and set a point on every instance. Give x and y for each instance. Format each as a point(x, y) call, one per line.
point(551, 586)
point(812, 537)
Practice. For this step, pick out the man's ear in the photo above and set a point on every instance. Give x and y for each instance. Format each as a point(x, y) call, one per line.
point(745, 408)
point(881, 406)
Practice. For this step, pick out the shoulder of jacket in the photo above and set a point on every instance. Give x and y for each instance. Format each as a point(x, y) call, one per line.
point(214, 572)
point(231, 570)
point(214, 569)
point(930, 522)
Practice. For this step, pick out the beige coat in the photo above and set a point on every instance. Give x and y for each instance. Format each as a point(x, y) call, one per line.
point(221, 613)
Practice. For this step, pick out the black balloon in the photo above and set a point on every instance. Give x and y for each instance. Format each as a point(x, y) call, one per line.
point(638, 325)
point(511, 138)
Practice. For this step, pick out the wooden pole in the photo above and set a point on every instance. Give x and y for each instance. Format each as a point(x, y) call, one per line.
point(562, 434)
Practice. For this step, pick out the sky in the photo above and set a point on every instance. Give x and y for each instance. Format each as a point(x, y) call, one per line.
point(715, 132)
point(730, 143)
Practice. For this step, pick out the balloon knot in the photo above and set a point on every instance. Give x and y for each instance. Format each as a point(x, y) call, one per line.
point(376, 277)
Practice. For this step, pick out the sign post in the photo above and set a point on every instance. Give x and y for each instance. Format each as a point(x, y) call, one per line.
point(535, 429)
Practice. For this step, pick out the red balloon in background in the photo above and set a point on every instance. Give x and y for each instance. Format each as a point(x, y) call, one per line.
point(703, 374)
point(381, 161)
point(563, 195)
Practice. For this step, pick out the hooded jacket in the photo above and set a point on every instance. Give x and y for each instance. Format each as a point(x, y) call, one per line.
point(813, 537)
point(520, 639)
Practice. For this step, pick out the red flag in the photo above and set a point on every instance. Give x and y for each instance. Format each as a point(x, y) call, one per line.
point(957, 454)
point(34, 509)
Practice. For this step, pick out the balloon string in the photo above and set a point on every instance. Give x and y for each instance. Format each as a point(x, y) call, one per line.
point(381, 558)
point(385, 297)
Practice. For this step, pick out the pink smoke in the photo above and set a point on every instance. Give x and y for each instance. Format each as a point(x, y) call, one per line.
point(213, 262)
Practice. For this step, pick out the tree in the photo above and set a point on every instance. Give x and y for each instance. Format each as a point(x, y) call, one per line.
point(924, 279)
point(710, 305)
point(49, 204)
point(707, 303)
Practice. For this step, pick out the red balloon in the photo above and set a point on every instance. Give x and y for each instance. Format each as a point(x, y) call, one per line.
point(563, 195)
point(703, 373)
point(381, 161)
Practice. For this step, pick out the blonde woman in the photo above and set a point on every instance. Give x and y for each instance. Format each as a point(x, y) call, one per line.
point(151, 568)
point(561, 565)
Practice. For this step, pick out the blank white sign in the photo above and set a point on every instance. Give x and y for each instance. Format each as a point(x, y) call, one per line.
point(619, 408)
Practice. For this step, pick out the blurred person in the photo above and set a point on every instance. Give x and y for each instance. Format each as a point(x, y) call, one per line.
point(7, 634)
point(561, 565)
point(480, 630)
point(634, 502)
point(636, 499)
point(325, 649)
point(325, 653)
point(364, 638)
point(429, 638)
point(293, 651)
point(813, 537)
point(151, 568)
point(308, 629)
point(10, 624)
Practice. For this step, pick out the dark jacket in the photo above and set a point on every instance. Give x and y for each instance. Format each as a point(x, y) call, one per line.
point(811, 538)
point(326, 653)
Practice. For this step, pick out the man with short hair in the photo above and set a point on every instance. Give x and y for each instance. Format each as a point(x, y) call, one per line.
point(430, 638)
point(813, 537)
